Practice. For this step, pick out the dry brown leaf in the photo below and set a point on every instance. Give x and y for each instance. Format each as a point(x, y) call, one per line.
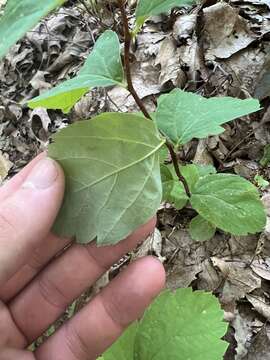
point(225, 32)
point(5, 166)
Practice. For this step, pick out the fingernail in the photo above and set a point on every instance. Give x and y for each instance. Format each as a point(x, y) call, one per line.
point(42, 176)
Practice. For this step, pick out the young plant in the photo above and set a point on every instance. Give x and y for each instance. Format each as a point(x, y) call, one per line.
point(116, 177)
point(111, 162)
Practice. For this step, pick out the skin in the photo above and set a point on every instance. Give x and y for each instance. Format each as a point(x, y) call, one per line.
point(38, 279)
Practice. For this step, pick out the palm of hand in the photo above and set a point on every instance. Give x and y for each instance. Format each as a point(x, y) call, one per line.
point(37, 286)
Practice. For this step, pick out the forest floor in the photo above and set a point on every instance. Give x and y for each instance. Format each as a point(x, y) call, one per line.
point(213, 49)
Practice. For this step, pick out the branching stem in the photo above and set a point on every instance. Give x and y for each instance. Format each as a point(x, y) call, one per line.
point(133, 92)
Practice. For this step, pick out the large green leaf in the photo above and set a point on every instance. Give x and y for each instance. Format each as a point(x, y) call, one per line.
point(229, 202)
point(182, 325)
point(102, 68)
point(201, 229)
point(182, 116)
point(147, 8)
point(112, 172)
point(179, 325)
point(19, 17)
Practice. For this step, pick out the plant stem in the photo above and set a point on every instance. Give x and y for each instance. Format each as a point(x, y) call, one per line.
point(133, 92)
point(177, 169)
point(128, 39)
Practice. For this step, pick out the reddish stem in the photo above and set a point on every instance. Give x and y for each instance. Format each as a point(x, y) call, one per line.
point(136, 97)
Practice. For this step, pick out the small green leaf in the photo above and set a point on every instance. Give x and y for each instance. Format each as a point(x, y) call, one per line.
point(173, 191)
point(21, 16)
point(112, 173)
point(163, 154)
point(261, 182)
point(123, 348)
point(200, 229)
point(147, 8)
point(229, 202)
point(181, 325)
point(193, 172)
point(182, 116)
point(102, 68)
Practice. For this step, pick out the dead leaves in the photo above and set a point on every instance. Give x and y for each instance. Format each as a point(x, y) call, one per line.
point(225, 32)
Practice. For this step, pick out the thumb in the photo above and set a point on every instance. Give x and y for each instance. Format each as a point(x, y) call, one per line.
point(27, 215)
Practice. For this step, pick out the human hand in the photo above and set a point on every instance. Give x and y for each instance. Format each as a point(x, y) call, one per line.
point(36, 287)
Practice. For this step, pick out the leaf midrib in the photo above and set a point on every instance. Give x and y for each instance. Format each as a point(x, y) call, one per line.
point(134, 200)
point(106, 138)
point(232, 206)
point(121, 169)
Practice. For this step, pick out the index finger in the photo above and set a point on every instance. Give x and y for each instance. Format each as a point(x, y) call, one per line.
point(27, 215)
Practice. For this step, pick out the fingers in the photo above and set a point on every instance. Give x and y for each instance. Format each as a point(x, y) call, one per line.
point(11, 354)
point(41, 303)
point(40, 257)
point(27, 215)
point(102, 321)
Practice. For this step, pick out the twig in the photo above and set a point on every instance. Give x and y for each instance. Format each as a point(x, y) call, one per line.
point(136, 97)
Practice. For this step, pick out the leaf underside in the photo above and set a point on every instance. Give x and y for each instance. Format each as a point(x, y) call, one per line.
point(112, 173)
point(182, 116)
point(21, 16)
point(102, 68)
point(230, 203)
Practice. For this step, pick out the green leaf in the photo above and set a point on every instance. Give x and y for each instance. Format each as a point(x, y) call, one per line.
point(200, 229)
point(173, 191)
point(182, 116)
point(21, 16)
point(123, 348)
point(102, 68)
point(229, 202)
point(261, 182)
point(182, 325)
point(147, 8)
point(112, 172)
point(193, 172)
point(163, 154)
point(178, 325)
point(205, 169)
